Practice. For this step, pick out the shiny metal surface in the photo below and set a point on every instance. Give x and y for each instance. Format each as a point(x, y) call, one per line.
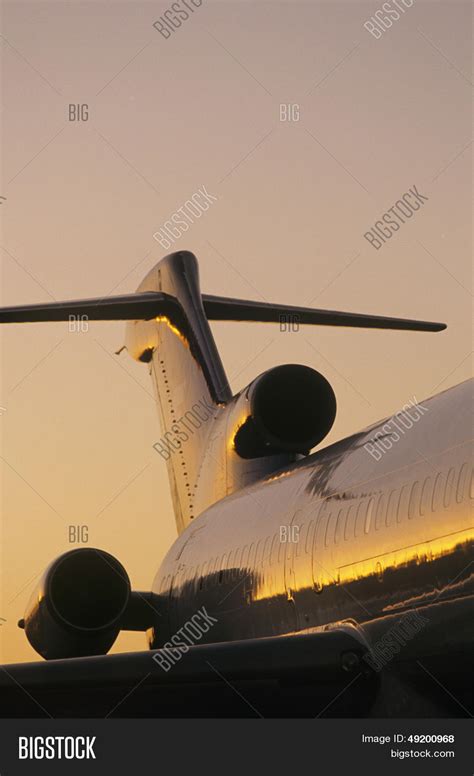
point(371, 537)
point(272, 541)
point(375, 537)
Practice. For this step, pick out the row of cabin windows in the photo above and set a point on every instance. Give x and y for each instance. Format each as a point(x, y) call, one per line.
point(435, 493)
point(232, 566)
point(416, 499)
point(227, 567)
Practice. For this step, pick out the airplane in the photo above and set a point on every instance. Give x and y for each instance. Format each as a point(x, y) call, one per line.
point(333, 583)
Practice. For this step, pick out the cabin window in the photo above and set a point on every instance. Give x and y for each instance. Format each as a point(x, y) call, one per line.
point(349, 528)
point(448, 490)
point(212, 570)
point(266, 551)
point(360, 519)
point(380, 512)
point(402, 509)
point(281, 547)
point(274, 550)
point(413, 502)
point(425, 496)
point(321, 526)
point(309, 537)
point(251, 558)
point(320, 531)
point(368, 517)
point(437, 491)
point(303, 529)
point(329, 529)
point(461, 482)
point(391, 507)
point(221, 567)
point(236, 562)
point(298, 541)
point(232, 565)
point(258, 555)
point(338, 526)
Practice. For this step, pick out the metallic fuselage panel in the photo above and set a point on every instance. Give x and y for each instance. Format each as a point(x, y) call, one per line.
point(370, 537)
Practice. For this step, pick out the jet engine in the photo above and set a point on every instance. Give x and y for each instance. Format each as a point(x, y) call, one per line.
point(289, 408)
point(78, 606)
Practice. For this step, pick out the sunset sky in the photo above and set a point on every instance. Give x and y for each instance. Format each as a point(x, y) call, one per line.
point(294, 199)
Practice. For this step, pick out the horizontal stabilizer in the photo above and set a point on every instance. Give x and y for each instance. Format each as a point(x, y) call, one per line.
point(129, 307)
point(147, 305)
point(220, 308)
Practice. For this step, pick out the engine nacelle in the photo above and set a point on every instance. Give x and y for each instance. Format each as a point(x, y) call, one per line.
point(289, 408)
point(78, 606)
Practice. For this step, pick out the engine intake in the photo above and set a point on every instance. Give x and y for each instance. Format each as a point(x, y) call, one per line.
point(78, 606)
point(291, 408)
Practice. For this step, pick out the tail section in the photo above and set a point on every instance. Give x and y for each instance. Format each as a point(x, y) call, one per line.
point(188, 377)
point(168, 329)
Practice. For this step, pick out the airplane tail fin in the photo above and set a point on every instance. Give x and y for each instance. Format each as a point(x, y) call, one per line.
point(168, 328)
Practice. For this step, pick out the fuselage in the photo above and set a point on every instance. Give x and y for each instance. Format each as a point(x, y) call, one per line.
point(345, 534)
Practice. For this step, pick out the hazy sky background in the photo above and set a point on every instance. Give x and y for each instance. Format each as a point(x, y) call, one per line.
point(294, 200)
